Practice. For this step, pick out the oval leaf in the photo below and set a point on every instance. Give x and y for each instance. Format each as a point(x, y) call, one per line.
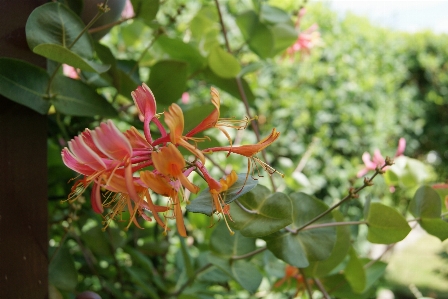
point(203, 203)
point(25, 84)
point(385, 224)
point(310, 244)
point(73, 97)
point(426, 203)
point(246, 274)
point(54, 23)
point(61, 271)
point(435, 227)
point(64, 55)
point(224, 244)
point(355, 274)
point(168, 80)
point(269, 212)
point(223, 63)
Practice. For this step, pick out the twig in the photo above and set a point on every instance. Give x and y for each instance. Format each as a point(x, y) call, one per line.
point(250, 254)
point(321, 288)
point(241, 91)
point(307, 285)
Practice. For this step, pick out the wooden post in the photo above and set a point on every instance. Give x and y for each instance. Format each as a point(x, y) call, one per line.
point(23, 173)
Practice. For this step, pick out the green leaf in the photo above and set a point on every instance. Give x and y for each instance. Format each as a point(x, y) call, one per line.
point(339, 252)
point(224, 244)
point(54, 23)
point(73, 97)
point(138, 279)
point(426, 203)
point(223, 63)
point(284, 35)
point(374, 272)
point(96, 240)
point(25, 84)
point(270, 212)
point(247, 22)
point(194, 116)
point(257, 35)
point(310, 244)
point(274, 15)
point(205, 24)
point(355, 274)
point(61, 271)
point(246, 274)
point(435, 227)
point(168, 80)
point(186, 258)
point(178, 50)
point(146, 9)
point(385, 224)
point(63, 55)
point(242, 271)
point(203, 203)
point(228, 85)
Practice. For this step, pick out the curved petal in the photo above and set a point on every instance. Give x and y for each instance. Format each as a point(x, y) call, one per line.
point(174, 118)
point(145, 101)
point(85, 154)
point(73, 163)
point(111, 141)
point(211, 120)
point(401, 147)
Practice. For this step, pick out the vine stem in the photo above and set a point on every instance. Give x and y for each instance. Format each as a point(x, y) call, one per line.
point(250, 254)
point(100, 12)
point(352, 194)
point(307, 285)
point(241, 91)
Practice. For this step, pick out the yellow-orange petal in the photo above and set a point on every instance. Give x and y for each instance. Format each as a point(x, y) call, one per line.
point(168, 160)
point(157, 183)
point(174, 118)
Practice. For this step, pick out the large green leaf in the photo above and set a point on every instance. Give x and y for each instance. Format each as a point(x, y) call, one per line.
point(73, 97)
point(54, 23)
point(354, 273)
point(224, 244)
point(436, 227)
point(146, 9)
point(223, 63)
point(426, 203)
point(284, 36)
point(64, 55)
point(61, 271)
point(338, 254)
point(269, 212)
point(274, 15)
point(25, 84)
point(203, 203)
point(178, 50)
point(298, 249)
point(242, 271)
point(385, 224)
point(167, 80)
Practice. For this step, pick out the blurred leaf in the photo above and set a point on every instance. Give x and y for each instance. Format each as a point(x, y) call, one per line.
point(374, 272)
point(224, 244)
point(271, 212)
point(435, 227)
point(146, 9)
point(137, 278)
point(54, 23)
point(64, 55)
point(426, 203)
point(145, 264)
point(186, 258)
point(274, 15)
point(178, 50)
point(385, 224)
point(246, 274)
point(24, 83)
point(228, 85)
point(95, 239)
point(205, 21)
point(61, 271)
point(312, 244)
point(284, 36)
point(339, 252)
point(132, 32)
point(73, 97)
point(167, 80)
point(203, 203)
point(258, 36)
point(354, 273)
point(223, 63)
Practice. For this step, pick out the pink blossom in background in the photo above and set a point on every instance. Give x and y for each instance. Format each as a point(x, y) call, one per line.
point(306, 39)
point(128, 11)
point(185, 98)
point(371, 163)
point(70, 71)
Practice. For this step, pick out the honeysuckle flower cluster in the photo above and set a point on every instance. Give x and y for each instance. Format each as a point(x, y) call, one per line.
point(126, 169)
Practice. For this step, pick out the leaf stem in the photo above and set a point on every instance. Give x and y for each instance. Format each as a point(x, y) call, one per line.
point(332, 224)
point(307, 285)
point(353, 193)
point(250, 254)
point(321, 288)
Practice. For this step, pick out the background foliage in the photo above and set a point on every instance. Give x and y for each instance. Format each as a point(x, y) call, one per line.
point(360, 88)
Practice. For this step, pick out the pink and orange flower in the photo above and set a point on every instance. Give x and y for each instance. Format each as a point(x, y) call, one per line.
point(124, 169)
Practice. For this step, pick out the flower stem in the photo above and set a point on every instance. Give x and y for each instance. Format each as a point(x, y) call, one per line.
point(352, 194)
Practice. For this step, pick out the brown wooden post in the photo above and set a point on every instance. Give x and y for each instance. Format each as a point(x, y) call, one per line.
point(23, 173)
